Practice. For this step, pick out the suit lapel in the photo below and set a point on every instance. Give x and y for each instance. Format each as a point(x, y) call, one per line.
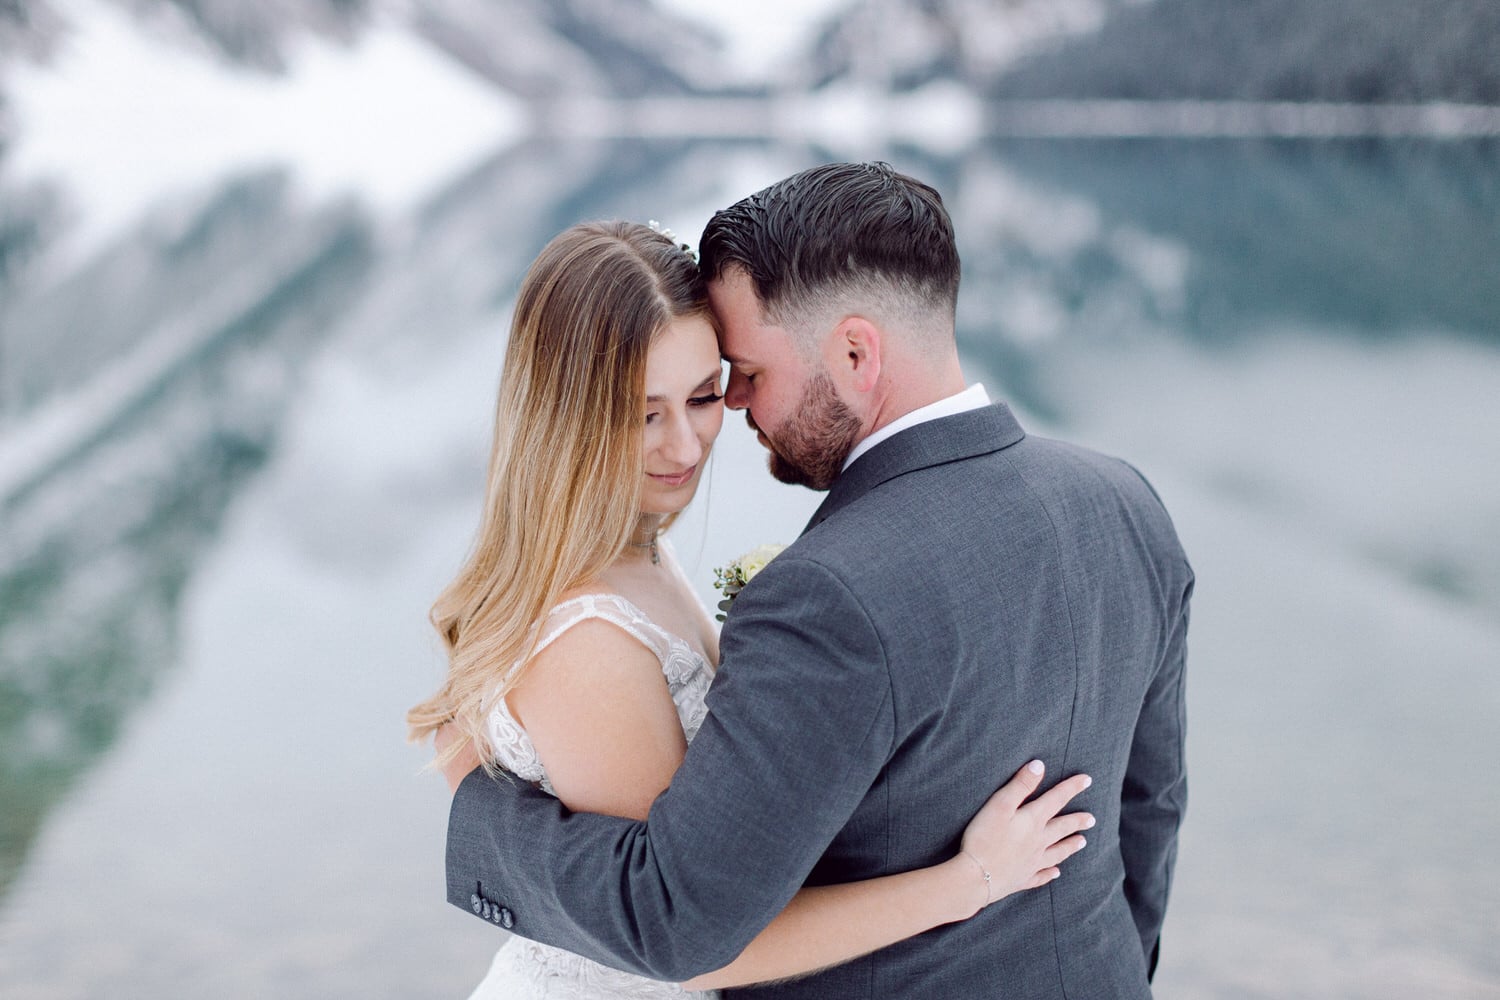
point(934, 442)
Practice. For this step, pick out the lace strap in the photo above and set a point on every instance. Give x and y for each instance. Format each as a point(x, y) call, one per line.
point(607, 607)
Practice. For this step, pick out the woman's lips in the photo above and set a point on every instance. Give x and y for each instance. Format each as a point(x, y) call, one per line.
point(676, 479)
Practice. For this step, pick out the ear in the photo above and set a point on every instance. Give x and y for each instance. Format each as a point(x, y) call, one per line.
point(856, 347)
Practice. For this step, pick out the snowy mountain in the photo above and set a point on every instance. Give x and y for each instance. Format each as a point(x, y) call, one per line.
point(1366, 50)
point(254, 35)
point(28, 29)
point(899, 44)
point(189, 88)
point(1277, 50)
point(540, 49)
point(533, 48)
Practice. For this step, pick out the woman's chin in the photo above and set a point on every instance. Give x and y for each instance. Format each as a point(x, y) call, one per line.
point(666, 502)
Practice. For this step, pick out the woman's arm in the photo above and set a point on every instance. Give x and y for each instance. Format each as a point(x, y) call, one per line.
point(596, 706)
point(1009, 845)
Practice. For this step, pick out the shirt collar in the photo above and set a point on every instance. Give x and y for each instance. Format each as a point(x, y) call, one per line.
point(971, 398)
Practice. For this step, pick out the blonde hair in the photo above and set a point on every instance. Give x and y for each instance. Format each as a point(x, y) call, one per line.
point(563, 492)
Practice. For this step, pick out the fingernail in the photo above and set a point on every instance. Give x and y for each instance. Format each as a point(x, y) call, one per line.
point(1035, 767)
point(1088, 824)
point(1082, 843)
point(1087, 781)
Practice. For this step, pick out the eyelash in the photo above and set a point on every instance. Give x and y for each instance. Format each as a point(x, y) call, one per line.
point(694, 401)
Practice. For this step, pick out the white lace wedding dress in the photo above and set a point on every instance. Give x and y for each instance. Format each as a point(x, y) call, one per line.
point(526, 970)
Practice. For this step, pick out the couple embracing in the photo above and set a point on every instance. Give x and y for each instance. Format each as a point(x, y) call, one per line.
point(805, 805)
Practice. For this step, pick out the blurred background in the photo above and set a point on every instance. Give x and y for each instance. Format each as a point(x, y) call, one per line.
point(256, 267)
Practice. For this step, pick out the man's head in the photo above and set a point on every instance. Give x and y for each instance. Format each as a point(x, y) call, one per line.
point(835, 289)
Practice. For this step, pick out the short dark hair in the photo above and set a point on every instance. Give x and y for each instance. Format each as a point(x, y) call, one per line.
point(833, 228)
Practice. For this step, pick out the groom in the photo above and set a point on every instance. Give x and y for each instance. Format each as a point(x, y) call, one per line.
point(966, 598)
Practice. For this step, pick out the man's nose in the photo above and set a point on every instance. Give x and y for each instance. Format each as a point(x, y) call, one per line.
point(736, 393)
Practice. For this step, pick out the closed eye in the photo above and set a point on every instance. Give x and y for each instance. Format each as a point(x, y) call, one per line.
point(708, 400)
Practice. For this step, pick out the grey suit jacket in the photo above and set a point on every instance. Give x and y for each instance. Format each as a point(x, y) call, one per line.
point(966, 598)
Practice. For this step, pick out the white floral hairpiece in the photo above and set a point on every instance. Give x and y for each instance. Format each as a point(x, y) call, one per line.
point(657, 227)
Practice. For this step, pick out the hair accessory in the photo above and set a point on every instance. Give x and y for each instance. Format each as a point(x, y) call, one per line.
point(657, 227)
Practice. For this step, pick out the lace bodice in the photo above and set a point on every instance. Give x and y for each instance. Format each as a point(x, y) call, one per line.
point(528, 970)
point(688, 676)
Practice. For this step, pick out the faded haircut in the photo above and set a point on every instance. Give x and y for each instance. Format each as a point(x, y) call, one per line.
point(845, 236)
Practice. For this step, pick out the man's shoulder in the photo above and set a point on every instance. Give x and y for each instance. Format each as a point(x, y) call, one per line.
point(1031, 462)
point(1003, 496)
point(1045, 448)
point(1068, 465)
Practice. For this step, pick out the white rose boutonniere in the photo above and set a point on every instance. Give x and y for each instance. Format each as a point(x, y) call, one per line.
point(731, 579)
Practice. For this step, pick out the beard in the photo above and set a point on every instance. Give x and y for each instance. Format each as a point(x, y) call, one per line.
point(809, 449)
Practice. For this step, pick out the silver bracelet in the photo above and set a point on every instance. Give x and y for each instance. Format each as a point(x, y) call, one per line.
point(983, 872)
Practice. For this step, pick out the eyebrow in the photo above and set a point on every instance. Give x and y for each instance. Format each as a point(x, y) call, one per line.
point(707, 379)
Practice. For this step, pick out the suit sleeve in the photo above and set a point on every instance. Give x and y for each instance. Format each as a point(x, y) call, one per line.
point(800, 724)
point(1154, 795)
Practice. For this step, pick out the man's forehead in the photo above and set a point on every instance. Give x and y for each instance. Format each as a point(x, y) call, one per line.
point(734, 288)
point(735, 349)
point(741, 343)
point(735, 303)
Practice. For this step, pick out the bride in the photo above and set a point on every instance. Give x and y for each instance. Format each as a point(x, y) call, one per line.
point(579, 655)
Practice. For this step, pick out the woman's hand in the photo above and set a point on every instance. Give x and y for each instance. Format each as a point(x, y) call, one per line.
point(1012, 844)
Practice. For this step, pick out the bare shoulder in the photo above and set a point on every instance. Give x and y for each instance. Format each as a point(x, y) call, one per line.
point(592, 662)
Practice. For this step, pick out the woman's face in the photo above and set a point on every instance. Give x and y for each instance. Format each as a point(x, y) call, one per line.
point(684, 411)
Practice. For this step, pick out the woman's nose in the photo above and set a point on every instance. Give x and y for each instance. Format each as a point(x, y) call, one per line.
point(682, 447)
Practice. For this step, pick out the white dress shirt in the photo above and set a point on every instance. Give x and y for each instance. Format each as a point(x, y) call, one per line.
point(972, 398)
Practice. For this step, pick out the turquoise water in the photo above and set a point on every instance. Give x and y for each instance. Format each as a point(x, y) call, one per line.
point(219, 547)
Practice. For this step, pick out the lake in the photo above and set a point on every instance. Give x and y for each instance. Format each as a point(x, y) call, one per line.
point(241, 451)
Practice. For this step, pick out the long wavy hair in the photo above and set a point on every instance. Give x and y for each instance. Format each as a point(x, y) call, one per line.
point(563, 493)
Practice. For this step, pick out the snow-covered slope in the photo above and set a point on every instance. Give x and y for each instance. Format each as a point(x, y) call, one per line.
point(544, 49)
point(894, 43)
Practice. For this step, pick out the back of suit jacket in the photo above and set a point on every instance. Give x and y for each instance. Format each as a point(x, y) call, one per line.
point(1030, 601)
point(967, 598)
